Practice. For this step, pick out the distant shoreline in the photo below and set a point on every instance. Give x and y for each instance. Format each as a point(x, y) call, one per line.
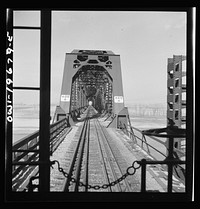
point(26, 118)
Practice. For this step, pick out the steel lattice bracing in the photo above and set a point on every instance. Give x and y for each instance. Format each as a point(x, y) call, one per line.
point(91, 76)
point(92, 83)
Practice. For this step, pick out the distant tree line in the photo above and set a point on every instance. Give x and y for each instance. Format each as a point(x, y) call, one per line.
point(148, 110)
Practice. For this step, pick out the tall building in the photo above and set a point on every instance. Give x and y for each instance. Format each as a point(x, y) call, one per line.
point(176, 94)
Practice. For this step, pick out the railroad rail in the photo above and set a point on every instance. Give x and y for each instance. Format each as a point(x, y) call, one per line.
point(96, 163)
point(114, 162)
point(77, 160)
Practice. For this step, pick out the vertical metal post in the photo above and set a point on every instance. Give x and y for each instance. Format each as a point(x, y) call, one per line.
point(190, 97)
point(170, 165)
point(142, 140)
point(143, 175)
point(45, 64)
point(146, 143)
point(170, 172)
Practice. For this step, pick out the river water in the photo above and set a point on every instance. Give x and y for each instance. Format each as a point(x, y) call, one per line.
point(26, 120)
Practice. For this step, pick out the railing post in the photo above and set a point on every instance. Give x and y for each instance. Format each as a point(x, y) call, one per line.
point(142, 141)
point(133, 135)
point(169, 132)
point(146, 143)
point(170, 165)
point(45, 65)
point(143, 175)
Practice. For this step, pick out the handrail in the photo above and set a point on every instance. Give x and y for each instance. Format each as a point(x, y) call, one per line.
point(25, 140)
point(181, 153)
point(26, 152)
point(32, 136)
point(169, 162)
point(152, 137)
point(131, 133)
point(176, 152)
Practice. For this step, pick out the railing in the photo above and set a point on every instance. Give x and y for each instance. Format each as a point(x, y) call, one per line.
point(57, 133)
point(26, 152)
point(158, 149)
point(170, 164)
point(140, 139)
point(149, 143)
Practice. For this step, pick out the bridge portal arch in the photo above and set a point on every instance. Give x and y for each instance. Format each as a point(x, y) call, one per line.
point(91, 75)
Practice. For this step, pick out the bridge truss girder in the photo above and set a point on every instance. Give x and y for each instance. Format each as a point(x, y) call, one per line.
point(91, 83)
point(92, 76)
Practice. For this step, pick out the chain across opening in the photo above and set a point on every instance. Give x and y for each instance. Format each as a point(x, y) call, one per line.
point(131, 170)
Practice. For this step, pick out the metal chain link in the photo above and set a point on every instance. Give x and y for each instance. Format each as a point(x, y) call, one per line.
point(129, 171)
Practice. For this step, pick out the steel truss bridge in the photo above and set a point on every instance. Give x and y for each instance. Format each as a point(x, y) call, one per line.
point(91, 96)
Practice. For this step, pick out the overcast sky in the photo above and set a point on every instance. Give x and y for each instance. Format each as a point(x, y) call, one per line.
point(144, 41)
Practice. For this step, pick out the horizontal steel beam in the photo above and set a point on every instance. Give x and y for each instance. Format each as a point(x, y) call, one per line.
point(27, 27)
point(146, 162)
point(22, 150)
point(32, 163)
point(26, 88)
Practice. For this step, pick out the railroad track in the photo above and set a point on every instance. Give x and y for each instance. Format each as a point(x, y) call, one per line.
point(96, 161)
point(112, 161)
point(80, 155)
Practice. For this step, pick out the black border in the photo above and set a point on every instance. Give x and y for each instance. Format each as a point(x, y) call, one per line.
point(132, 197)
